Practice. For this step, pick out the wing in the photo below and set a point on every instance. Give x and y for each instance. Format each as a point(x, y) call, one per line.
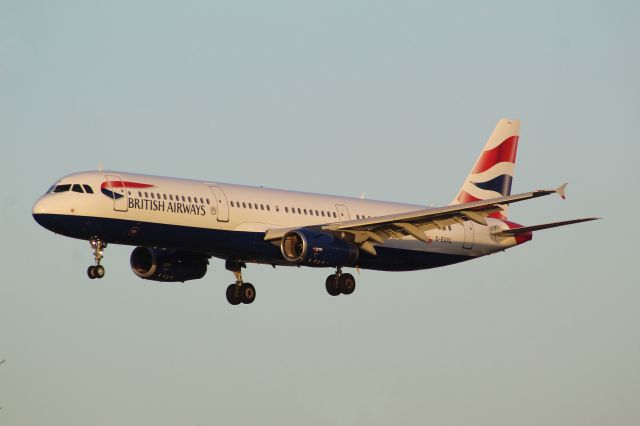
point(365, 232)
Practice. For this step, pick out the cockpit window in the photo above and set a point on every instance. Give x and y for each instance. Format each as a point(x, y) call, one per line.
point(62, 188)
point(50, 190)
point(87, 189)
point(77, 188)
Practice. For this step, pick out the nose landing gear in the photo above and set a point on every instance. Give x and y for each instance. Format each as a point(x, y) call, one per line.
point(97, 270)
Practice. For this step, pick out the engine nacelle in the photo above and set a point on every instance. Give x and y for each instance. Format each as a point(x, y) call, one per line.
point(164, 265)
point(317, 248)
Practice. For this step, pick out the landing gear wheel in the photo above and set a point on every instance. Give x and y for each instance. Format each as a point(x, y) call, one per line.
point(240, 292)
point(332, 285)
point(98, 271)
point(233, 294)
point(247, 293)
point(91, 272)
point(346, 283)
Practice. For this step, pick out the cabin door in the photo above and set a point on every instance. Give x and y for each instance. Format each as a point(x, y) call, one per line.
point(468, 234)
point(222, 205)
point(343, 213)
point(114, 188)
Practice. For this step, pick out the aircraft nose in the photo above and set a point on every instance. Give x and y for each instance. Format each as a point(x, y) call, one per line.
point(41, 210)
point(40, 207)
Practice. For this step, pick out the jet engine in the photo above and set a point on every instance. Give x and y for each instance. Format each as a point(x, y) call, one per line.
point(317, 248)
point(158, 264)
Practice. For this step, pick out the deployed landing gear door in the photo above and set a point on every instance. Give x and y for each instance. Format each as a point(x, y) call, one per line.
point(468, 234)
point(343, 212)
point(222, 206)
point(114, 187)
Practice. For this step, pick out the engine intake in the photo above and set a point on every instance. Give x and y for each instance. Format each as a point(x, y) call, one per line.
point(164, 265)
point(317, 248)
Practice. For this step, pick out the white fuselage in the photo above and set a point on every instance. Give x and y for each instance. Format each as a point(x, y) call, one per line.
point(140, 201)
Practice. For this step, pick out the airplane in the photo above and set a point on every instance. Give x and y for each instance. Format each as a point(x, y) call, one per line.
point(178, 225)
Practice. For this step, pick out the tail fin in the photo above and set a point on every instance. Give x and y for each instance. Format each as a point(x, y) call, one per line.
point(492, 173)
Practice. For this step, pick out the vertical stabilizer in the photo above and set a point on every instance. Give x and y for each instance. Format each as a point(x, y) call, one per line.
point(492, 174)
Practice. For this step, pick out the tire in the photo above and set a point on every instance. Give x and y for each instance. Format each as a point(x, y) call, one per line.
point(232, 294)
point(347, 283)
point(332, 285)
point(98, 271)
point(91, 273)
point(247, 293)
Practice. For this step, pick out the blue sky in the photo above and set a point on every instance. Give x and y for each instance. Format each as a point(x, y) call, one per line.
point(394, 99)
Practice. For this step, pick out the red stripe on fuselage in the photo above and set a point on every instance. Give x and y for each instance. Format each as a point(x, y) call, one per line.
point(505, 152)
point(121, 184)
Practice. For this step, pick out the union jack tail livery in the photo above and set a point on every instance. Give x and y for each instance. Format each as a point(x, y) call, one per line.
point(492, 174)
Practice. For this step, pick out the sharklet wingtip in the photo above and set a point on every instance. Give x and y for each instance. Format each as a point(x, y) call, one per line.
point(561, 190)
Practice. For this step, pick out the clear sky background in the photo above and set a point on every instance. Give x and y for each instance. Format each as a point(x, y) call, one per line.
point(394, 99)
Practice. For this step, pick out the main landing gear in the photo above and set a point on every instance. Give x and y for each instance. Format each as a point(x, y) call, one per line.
point(240, 292)
point(340, 283)
point(97, 270)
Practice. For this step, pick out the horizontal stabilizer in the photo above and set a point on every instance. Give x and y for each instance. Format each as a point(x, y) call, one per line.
point(516, 231)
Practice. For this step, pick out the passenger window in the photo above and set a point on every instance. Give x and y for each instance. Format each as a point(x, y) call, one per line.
point(250, 206)
point(208, 202)
point(268, 208)
point(305, 211)
point(244, 205)
point(170, 197)
point(164, 196)
point(286, 209)
point(77, 188)
point(232, 204)
point(62, 188)
point(201, 200)
point(87, 189)
point(299, 210)
point(261, 206)
point(277, 209)
point(334, 215)
point(255, 205)
point(152, 196)
point(189, 198)
point(146, 194)
point(183, 199)
point(322, 211)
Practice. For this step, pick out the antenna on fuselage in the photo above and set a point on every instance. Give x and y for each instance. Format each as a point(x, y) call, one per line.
point(362, 196)
point(100, 167)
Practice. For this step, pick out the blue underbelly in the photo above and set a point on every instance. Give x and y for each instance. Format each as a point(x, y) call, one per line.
point(235, 245)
